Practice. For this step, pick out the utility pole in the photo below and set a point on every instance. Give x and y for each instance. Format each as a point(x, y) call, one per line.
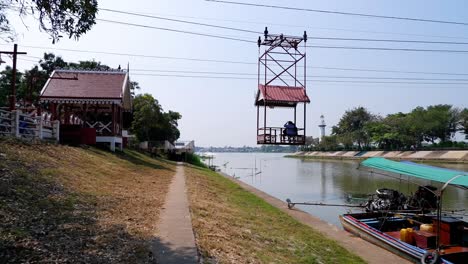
point(13, 78)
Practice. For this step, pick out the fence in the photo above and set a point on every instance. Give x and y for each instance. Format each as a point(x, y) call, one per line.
point(22, 125)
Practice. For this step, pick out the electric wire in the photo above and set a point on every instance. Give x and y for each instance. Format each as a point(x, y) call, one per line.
point(233, 62)
point(309, 75)
point(318, 81)
point(387, 49)
point(263, 23)
point(176, 30)
point(136, 55)
point(309, 46)
point(178, 20)
point(258, 32)
point(342, 13)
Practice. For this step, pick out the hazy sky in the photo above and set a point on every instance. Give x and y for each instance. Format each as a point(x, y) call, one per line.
point(220, 112)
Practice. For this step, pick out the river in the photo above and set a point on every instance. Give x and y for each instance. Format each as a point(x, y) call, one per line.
point(321, 181)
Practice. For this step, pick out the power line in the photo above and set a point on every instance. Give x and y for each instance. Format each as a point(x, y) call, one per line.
point(310, 76)
point(258, 32)
point(387, 49)
point(176, 30)
point(309, 46)
point(388, 71)
point(310, 81)
point(342, 13)
point(137, 55)
point(302, 26)
point(178, 20)
point(391, 40)
point(349, 69)
point(231, 61)
point(198, 72)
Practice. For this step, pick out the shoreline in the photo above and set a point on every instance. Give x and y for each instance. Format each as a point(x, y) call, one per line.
point(437, 156)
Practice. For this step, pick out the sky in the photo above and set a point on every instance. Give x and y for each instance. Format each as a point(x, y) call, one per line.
point(221, 112)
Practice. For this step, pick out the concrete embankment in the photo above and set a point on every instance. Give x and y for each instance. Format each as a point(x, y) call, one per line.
point(449, 156)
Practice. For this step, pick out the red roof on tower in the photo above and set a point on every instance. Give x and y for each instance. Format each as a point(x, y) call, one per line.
point(275, 95)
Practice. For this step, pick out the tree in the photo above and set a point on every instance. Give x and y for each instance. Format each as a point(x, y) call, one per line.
point(351, 126)
point(441, 119)
point(88, 65)
point(150, 123)
point(328, 143)
point(50, 62)
point(56, 17)
point(5, 84)
point(463, 122)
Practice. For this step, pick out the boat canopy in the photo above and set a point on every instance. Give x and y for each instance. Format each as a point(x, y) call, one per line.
point(419, 171)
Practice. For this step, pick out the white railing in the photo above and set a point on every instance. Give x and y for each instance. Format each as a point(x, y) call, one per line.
point(22, 125)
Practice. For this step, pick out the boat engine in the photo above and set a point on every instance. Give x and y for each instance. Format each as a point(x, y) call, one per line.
point(424, 198)
point(386, 199)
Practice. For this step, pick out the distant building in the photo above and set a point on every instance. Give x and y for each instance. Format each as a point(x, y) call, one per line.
point(183, 147)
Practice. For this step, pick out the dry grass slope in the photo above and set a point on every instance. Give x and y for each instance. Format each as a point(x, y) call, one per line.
point(74, 205)
point(234, 226)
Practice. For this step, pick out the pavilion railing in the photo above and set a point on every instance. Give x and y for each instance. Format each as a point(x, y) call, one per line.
point(22, 125)
point(277, 135)
point(104, 128)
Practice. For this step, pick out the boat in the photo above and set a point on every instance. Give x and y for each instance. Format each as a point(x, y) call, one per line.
point(425, 237)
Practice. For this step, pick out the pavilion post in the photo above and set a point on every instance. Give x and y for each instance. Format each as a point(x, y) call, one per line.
point(113, 119)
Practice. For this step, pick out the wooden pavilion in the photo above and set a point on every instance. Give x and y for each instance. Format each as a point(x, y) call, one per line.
point(92, 106)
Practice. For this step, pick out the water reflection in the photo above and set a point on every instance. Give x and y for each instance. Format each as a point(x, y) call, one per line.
point(322, 181)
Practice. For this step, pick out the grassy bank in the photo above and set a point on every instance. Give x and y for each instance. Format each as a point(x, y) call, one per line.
point(75, 205)
point(235, 226)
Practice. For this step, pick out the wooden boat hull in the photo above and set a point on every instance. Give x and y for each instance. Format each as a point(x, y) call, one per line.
point(374, 236)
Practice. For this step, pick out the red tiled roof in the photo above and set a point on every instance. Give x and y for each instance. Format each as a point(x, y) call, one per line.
point(90, 84)
point(283, 94)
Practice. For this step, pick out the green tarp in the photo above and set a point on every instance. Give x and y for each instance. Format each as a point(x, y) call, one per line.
point(419, 171)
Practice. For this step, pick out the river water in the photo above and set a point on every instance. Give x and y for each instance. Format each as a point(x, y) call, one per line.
point(334, 182)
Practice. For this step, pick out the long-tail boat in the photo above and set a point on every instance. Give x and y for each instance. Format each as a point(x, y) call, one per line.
point(419, 237)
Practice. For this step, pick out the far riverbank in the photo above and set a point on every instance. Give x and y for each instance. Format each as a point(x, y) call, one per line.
point(450, 156)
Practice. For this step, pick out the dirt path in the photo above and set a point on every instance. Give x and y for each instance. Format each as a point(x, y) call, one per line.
point(367, 251)
point(176, 242)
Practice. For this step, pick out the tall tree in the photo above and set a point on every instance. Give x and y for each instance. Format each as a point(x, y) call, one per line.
point(50, 62)
point(463, 122)
point(440, 122)
point(56, 17)
point(150, 122)
point(352, 124)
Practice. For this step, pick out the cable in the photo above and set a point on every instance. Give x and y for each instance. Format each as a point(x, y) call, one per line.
point(258, 32)
point(178, 20)
point(309, 46)
point(234, 62)
point(199, 72)
point(387, 49)
point(299, 26)
point(176, 30)
point(26, 60)
point(342, 13)
point(357, 69)
point(137, 55)
point(389, 71)
point(310, 76)
point(391, 40)
point(310, 81)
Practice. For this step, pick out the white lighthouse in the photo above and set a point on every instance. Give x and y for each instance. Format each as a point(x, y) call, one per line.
point(322, 126)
